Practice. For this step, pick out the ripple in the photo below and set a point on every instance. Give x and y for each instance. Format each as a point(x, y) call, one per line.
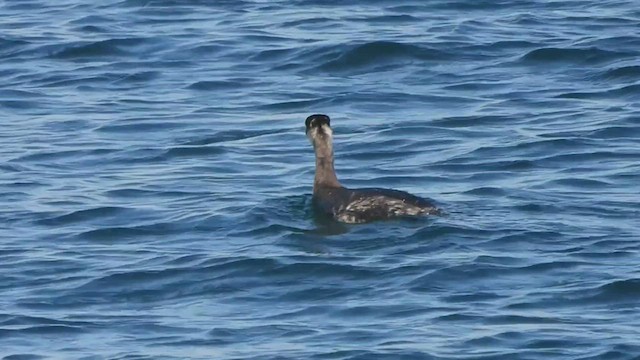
point(380, 52)
point(20, 320)
point(23, 357)
point(84, 215)
point(43, 330)
point(229, 136)
point(104, 48)
point(625, 72)
point(147, 285)
point(18, 94)
point(127, 193)
point(141, 126)
point(591, 55)
point(213, 85)
point(580, 183)
point(619, 291)
point(138, 77)
point(614, 132)
point(629, 91)
point(192, 151)
point(12, 47)
point(487, 191)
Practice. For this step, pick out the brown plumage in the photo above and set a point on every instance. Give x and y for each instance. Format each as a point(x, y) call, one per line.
point(354, 205)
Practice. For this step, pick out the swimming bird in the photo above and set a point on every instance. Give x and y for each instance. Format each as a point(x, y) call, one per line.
point(354, 205)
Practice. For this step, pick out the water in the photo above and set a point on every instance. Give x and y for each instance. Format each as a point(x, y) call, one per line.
point(156, 179)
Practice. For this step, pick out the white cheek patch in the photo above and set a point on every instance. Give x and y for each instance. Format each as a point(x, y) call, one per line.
point(312, 133)
point(327, 130)
point(321, 137)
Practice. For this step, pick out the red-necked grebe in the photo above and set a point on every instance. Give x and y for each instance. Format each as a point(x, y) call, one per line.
point(354, 205)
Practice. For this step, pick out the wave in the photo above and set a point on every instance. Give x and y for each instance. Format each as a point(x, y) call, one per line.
point(10, 47)
point(631, 72)
point(103, 48)
point(229, 136)
point(214, 85)
point(618, 291)
point(192, 151)
point(84, 215)
point(379, 53)
point(591, 55)
point(628, 92)
point(615, 132)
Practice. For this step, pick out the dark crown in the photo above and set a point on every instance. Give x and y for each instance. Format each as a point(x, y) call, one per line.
point(316, 120)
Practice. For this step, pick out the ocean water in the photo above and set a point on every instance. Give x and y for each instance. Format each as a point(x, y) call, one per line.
point(155, 180)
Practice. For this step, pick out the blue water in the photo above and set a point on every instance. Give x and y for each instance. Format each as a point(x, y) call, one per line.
point(155, 179)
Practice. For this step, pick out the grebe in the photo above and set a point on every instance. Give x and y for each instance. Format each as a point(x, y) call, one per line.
point(354, 205)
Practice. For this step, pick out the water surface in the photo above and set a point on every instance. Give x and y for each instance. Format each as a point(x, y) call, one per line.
point(155, 179)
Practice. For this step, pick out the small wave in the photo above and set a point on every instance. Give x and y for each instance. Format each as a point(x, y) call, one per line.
point(196, 51)
point(143, 193)
point(476, 86)
point(19, 104)
point(467, 165)
point(321, 270)
point(617, 353)
point(623, 293)
point(581, 183)
point(9, 47)
point(380, 53)
point(473, 296)
point(137, 77)
point(487, 191)
point(387, 19)
point(6, 43)
point(61, 155)
point(226, 275)
point(492, 340)
point(84, 215)
point(272, 54)
point(457, 317)
point(512, 44)
point(104, 48)
point(48, 156)
point(59, 81)
point(125, 233)
point(615, 132)
point(214, 85)
point(573, 55)
point(192, 151)
point(229, 136)
point(296, 104)
point(141, 127)
point(552, 265)
point(23, 357)
point(532, 207)
point(44, 330)
point(629, 91)
point(625, 72)
point(618, 291)
point(573, 158)
point(18, 94)
point(91, 20)
point(308, 21)
point(479, 5)
point(472, 121)
point(92, 29)
point(24, 320)
point(521, 319)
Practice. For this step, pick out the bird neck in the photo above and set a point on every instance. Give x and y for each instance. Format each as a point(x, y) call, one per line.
point(325, 172)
